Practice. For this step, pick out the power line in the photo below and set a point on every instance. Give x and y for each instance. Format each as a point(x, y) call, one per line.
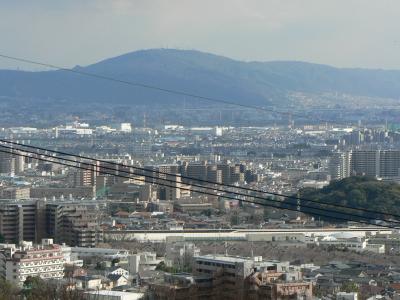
point(212, 194)
point(201, 180)
point(164, 90)
point(199, 186)
point(182, 93)
point(204, 192)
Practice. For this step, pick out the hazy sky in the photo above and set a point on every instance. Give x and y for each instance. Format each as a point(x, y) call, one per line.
point(346, 33)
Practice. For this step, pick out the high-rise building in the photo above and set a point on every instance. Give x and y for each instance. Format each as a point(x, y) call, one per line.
point(213, 174)
point(83, 178)
point(7, 163)
point(22, 221)
point(339, 165)
point(171, 187)
point(196, 170)
point(389, 164)
point(19, 164)
point(75, 224)
point(225, 169)
point(365, 163)
point(374, 163)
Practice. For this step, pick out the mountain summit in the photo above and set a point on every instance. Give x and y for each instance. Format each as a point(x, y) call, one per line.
point(256, 83)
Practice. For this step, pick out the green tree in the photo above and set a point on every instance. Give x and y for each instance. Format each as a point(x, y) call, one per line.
point(235, 218)
point(8, 291)
point(35, 288)
point(115, 261)
point(357, 191)
point(349, 287)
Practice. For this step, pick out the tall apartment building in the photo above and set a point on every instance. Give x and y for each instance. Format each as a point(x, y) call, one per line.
point(22, 221)
point(171, 187)
point(72, 223)
point(213, 174)
point(237, 173)
point(45, 260)
point(365, 162)
point(19, 164)
point(339, 165)
point(83, 178)
point(373, 163)
point(225, 169)
point(167, 177)
point(198, 170)
point(152, 173)
point(7, 163)
point(173, 177)
point(75, 224)
point(389, 164)
point(226, 173)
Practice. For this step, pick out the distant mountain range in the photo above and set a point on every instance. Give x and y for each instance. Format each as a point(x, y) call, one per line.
point(256, 83)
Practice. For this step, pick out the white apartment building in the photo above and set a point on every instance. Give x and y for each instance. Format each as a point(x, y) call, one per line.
point(45, 260)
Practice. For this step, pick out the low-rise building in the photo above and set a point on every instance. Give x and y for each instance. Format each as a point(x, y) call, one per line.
point(235, 278)
point(142, 261)
point(357, 244)
point(346, 296)
point(113, 295)
point(45, 260)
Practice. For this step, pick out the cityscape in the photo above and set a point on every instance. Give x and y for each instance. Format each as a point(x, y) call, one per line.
point(166, 173)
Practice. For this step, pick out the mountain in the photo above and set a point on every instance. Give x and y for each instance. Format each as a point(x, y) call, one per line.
point(256, 83)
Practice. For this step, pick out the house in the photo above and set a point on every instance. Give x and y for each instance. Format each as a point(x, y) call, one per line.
point(72, 271)
point(118, 279)
point(117, 271)
point(88, 282)
point(326, 285)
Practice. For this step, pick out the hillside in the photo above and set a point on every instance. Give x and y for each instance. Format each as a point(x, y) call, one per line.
point(359, 192)
point(259, 83)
